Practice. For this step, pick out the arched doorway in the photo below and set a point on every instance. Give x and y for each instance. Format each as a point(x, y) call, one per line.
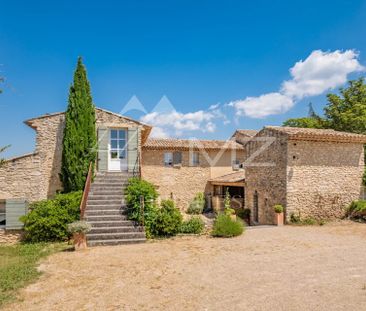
point(255, 207)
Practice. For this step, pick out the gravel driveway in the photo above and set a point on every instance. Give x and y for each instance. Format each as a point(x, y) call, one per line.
point(268, 268)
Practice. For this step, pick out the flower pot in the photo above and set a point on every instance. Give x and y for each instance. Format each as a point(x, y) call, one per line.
point(79, 241)
point(279, 219)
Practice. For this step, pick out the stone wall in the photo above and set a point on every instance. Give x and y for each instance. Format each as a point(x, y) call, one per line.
point(265, 174)
point(323, 178)
point(183, 183)
point(10, 236)
point(36, 176)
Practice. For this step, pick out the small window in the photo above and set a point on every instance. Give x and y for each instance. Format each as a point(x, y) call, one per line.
point(168, 159)
point(177, 158)
point(236, 164)
point(195, 159)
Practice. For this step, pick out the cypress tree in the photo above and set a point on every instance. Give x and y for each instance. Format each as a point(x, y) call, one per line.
point(79, 140)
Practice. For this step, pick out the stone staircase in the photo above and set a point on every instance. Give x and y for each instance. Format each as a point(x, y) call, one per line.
point(105, 212)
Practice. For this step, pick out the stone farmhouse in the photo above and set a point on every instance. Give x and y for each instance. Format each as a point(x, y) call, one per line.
point(310, 172)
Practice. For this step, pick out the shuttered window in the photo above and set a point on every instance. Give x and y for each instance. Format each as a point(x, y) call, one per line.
point(177, 158)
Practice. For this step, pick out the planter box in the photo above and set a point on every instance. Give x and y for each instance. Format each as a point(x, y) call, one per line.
point(79, 241)
point(279, 219)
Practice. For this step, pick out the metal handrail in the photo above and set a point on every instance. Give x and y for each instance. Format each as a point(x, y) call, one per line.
point(86, 191)
point(136, 172)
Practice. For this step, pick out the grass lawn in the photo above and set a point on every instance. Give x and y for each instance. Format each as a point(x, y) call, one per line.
point(18, 266)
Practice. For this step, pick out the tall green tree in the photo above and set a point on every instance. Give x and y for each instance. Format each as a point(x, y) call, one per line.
point(313, 120)
point(79, 141)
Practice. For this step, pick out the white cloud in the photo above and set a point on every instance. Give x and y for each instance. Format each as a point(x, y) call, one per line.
point(174, 123)
point(264, 105)
point(319, 72)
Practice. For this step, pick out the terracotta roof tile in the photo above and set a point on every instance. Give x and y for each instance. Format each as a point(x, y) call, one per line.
point(247, 133)
point(186, 144)
point(230, 178)
point(296, 133)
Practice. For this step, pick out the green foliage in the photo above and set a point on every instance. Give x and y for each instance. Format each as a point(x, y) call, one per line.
point(197, 205)
point(227, 200)
point(357, 210)
point(136, 189)
point(79, 141)
point(224, 226)
point(278, 208)
point(229, 211)
point(18, 266)
point(79, 227)
point(307, 122)
point(306, 221)
point(243, 213)
point(168, 220)
point(195, 225)
point(48, 219)
point(2, 149)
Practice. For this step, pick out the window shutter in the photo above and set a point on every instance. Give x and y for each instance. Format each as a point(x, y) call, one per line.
point(132, 148)
point(14, 209)
point(103, 139)
point(177, 158)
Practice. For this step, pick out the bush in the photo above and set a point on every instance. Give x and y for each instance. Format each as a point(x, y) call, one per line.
point(197, 205)
point(78, 227)
point(168, 220)
point(48, 219)
point(307, 221)
point(135, 189)
point(195, 225)
point(224, 226)
point(278, 208)
point(243, 213)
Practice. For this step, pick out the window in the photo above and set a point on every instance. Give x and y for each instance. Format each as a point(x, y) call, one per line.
point(168, 159)
point(177, 158)
point(195, 159)
point(236, 164)
point(118, 144)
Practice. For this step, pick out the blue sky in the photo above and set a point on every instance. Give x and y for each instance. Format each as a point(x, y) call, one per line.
point(196, 53)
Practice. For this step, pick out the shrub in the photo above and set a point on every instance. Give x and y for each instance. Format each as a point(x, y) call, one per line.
point(78, 227)
point(135, 189)
point(227, 200)
point(195, 225)
point(357, 206)
point(278, 208)
point(224, 226)
point(307, 221)
point(229, 211)
point(243, 213)
point(168, 220)
point(48, 219)
point(197, 205)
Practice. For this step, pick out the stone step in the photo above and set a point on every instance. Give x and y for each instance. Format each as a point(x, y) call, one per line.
point(95, 218)
point(92, 201)
point(95, 212)
point(115, 242)
point(118, 191)
point(116, 229)
point(114, 236)
point(93, 197)
point(117, 207)
point(111, 223)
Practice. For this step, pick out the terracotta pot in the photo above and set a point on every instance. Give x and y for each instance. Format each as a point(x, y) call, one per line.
point(79, 241)
point(279, 219)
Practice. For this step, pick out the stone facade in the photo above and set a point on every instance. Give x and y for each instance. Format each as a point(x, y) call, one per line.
point(323, 178)
point(183, 182)
point(10, 236)
point(310, 178)
point(36, 176)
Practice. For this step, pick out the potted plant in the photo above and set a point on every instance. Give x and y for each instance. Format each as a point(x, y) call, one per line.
point(78, 229)
point(278, 208)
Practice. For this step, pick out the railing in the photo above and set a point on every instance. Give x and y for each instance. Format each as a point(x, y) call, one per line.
point(136, 172)
point(86, 191)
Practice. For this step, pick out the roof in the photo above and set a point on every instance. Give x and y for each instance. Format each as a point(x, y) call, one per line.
point(237, 177)
point(247, 133)
point(145, 134)
point(297, 133)
point(187, 144)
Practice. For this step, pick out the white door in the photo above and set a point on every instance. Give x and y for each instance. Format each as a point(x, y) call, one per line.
point(117, 155)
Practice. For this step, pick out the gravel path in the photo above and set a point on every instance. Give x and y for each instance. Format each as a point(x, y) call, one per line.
point(289, 268)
